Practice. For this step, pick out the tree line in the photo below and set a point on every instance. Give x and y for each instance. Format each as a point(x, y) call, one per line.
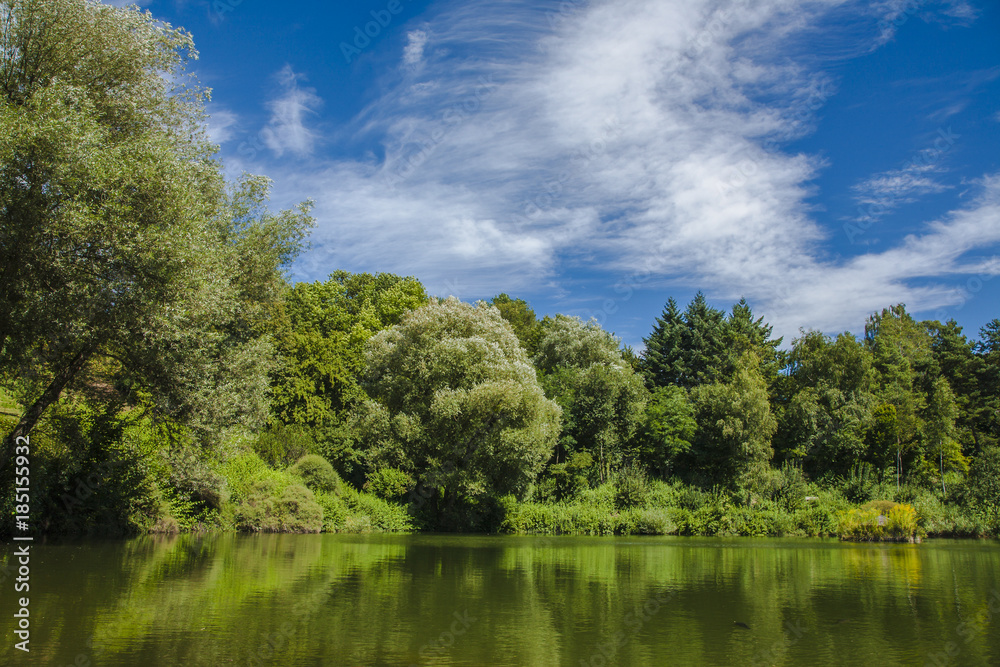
point(150, 340)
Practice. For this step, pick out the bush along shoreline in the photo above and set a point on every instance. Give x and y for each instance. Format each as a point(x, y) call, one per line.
point(262, 486)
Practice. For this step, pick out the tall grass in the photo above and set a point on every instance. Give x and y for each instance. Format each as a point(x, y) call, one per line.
point(879, 521)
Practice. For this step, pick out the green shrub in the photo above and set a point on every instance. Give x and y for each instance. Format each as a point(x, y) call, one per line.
point(565, 481)
point(786, 486)
point(932, 514)
point(246, 469)
point(389, 484)
point(820, 518)
point(883, 506)
point(864, 484)
point(693, 498)
point(268, 508)
point(335, 511)
point(879, 520)
point(194, 478)
point(631, 487)
point(382, 515)
point(654, 521)
point(902, 522)
point(982, 489)
point(86, 476)
point(317, 473)
point(282, 444)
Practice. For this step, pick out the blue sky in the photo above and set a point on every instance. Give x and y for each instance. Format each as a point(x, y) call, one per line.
point(822, 158)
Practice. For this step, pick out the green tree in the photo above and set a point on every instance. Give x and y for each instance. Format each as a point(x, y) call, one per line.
point(662, 362)
point(744, 333)
point(323, 331)
point(957, 362)
point(703, 345)
point(601, 396)
point(983, 484)
point(988, 350)
point(735, 425)
point(455, 404)
point(667, 429)
point(883, 437)
point(120, 240)
point(940, 431)
point(825, 403)
point(901, 350)
point(522, 318)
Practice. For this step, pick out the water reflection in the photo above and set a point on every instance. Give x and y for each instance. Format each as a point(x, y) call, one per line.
point(474, 600)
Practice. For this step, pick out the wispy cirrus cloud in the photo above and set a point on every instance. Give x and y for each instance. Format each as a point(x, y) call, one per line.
point(895, 14)
point(628, 136)
point(287, 130)
point(221, 125)
point(414, 51)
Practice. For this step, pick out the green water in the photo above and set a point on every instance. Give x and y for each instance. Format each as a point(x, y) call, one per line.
point(477, 600)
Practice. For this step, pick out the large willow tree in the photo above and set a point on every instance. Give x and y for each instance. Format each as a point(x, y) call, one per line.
point(456, 405)
point(120, 241)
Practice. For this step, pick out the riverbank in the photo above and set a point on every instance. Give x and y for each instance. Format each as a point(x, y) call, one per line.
point(142, 486)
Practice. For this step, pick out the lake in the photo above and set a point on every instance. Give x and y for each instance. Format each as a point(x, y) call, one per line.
point(503, 600)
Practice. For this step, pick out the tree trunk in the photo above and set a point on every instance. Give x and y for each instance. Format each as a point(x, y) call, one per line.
point(48, 397)
point(899, 462)
point(944, 491)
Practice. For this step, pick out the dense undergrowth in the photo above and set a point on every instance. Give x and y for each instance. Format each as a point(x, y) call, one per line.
point(153, 480)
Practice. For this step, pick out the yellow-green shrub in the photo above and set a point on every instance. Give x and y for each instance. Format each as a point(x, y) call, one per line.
point(899, 522)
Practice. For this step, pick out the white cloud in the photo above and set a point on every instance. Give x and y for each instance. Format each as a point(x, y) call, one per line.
point(883, 193)
point(220, 126)
point(895, 14)
point(287, 130)
point(837, 296)
point(414, 51)
point(629, 136)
